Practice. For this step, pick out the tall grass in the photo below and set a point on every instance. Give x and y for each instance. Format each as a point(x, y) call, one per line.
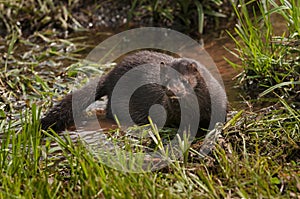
point(267, 59)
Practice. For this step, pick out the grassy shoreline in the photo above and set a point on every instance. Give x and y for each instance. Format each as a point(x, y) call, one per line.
point(256, 157)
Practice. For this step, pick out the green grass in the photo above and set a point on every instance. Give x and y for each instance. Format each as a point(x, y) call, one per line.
point(257, 157)
point(267, 59)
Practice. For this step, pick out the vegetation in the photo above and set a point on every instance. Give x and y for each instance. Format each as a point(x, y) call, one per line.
point(54, 16)
point(187, 14)
point(268, 59)
point(257, 156)
point(25, 17)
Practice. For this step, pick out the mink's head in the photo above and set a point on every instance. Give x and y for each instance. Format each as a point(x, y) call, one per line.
point(180, 77)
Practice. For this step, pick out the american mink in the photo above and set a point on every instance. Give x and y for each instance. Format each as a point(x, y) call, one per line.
point(167, 95)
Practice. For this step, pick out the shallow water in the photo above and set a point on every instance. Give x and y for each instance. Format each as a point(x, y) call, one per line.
point(216, 47)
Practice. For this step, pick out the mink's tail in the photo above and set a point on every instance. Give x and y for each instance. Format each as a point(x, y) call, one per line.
point(73, 105)
point(60, 116)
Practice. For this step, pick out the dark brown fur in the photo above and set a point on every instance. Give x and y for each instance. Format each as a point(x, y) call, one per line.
point(61, 115)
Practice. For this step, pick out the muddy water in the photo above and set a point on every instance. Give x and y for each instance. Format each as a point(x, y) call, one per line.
point(216, 47)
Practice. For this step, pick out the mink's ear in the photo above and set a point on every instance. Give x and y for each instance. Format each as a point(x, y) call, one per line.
point(192, 67)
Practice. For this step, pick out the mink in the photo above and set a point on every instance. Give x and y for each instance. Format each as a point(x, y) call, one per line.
point(194, 80)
